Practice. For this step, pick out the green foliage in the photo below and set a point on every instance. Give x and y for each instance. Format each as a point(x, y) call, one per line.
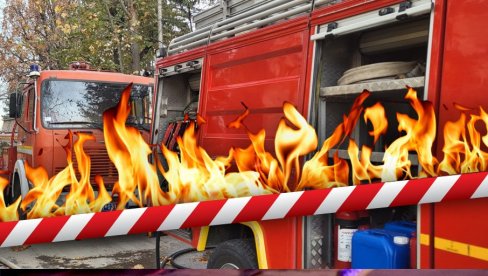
point(117, 35)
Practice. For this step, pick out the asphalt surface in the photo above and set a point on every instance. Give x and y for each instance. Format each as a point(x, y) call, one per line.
point(122, 252)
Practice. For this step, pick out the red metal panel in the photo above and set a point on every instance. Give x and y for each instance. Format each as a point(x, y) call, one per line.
point(461, 221)
point(463, 81)
point(445, 260)
point(465, 60)
point(426, 228)
point(280, 241)
point(434, 91)
point(262, 75)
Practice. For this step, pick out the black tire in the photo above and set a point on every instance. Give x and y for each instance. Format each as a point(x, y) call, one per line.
point(7, 194)
point(238, 254)
point(17, 193)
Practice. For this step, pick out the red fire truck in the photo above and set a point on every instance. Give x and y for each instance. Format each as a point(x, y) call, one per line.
point(319, 55)
point(51, 102)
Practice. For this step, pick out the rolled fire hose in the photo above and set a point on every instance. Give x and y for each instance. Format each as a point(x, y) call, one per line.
point(375, 71)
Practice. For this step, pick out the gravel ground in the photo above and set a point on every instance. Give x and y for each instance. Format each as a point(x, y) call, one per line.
point(133, 251)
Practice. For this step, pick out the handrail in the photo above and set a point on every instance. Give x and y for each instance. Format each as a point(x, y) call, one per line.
point(267, 13)
point(241, 19)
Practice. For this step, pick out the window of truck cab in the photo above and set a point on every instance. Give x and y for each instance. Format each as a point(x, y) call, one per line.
point(81, 103)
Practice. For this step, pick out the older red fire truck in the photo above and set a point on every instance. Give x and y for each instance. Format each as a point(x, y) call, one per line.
point(319, 55)
point(51, 102)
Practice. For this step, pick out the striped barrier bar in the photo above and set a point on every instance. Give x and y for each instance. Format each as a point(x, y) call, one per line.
point(254, 208)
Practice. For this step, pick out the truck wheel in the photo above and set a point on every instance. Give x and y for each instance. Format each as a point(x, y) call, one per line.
point(7, 195)
point(234, 254)
point(17, 192)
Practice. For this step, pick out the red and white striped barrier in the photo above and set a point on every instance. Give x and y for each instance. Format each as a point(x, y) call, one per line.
point(265, 207)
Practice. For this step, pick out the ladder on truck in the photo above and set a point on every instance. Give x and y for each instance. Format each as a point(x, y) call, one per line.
point(233, 17)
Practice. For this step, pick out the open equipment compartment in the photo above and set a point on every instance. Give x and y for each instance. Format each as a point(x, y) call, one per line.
point(388, 50)
point(180, 91)
point(343, 53)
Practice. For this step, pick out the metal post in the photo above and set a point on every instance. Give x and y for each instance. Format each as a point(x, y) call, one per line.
point(160, 23)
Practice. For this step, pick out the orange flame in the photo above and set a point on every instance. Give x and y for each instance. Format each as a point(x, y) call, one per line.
point(376, 115)
point(8, 213)
point(129, 152)
point(317, 173)
point(81, 197)
point(194, 176)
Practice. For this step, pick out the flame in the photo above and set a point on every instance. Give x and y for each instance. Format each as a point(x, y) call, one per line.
point(8, 213)
point(419, 138)
point(192, 175)
point(464, 143)
point(81, 197)
point(129, 152)
point(376, 115)
point(317, 173)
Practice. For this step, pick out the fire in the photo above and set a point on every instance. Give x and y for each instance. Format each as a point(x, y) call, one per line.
point(419, 138)
point(317, 173)
point(129, 152)
point(463, 146)
point(80, 198)
point(192, 175)
point(8, 213)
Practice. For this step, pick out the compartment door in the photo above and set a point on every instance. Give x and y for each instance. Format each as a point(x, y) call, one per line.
point(261, 76)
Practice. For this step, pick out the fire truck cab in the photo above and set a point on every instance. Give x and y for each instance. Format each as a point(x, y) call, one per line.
point(319, 55)
point(52, 102)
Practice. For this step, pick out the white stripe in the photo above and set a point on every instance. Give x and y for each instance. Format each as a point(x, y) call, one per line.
point(230, 210)
point(125, 221)
point(439, 189)
point(178, 215)
point(26, 151)
point(282, 205)
point(334, 200)
point(482, 190)
point(387, 194)
point(73, 227)
point(22, 230)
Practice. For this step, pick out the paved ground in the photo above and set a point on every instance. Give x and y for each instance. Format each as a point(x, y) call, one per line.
point(134, 251)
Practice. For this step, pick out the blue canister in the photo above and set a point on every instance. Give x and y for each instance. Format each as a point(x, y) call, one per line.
point(404, 227)
point(380, 249)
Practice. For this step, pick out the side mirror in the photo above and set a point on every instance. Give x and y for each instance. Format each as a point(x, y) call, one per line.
point(15, 105)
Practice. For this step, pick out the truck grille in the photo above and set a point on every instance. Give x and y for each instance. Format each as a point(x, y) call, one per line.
point(100, 165)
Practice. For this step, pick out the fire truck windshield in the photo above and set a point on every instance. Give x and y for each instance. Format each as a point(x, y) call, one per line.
point(80, 104)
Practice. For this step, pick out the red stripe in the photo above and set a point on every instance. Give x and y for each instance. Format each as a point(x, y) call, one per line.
point(308, 203)
point(47, 230)
point(412, 192)
point(465, 186)
point(204, 213)
point(255, 208)
point(99, 225)
point(361, 197)
point(5, 229)
point(151, 219)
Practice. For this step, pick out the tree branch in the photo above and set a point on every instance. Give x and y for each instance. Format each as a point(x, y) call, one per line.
point(124, 8)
